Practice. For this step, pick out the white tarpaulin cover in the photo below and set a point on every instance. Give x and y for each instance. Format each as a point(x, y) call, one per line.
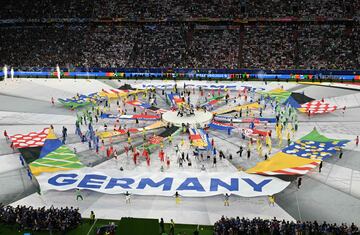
point(200, 184)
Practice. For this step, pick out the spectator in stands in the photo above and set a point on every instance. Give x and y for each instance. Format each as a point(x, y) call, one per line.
point(226, 226)
point(54, 219)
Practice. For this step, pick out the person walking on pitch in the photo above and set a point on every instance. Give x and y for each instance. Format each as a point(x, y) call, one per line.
point(226, 199)
point(177, 198)
point(240, 151)
point(271, 200)
point(341, 153)
point(127, 197)
point(78, 195)
point(299, 182)
point(320, 166)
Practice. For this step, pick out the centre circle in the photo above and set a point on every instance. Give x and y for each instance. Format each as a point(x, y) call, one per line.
point(200, 118)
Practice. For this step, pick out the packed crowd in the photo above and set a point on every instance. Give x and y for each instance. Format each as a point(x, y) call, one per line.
point(302, 8)
point(46, 9)
point(271, 46)
point(53, 219)
point(221, 47)
point(159, 46)
point(106, 46)
point(328, 46)
point(42, 46)
point(176, 8)
point(234, 226)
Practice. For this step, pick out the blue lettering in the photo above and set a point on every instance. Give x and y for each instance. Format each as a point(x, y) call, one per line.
point(215, 183)
point(53, 180)
point(257, 187)
point(92, 181)
point(166, 182)
point(121, 182)
point(191, 184)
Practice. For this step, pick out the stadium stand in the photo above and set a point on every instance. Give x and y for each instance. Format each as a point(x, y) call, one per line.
point(261, 34)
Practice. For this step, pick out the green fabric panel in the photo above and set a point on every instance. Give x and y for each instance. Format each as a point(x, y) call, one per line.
point(314, 135)
point(54, 159)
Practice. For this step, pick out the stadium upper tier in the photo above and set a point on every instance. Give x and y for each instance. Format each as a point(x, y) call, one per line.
point(15, 9)
point(183, 45)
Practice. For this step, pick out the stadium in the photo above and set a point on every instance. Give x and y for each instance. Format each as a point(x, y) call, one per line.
point(178, 117)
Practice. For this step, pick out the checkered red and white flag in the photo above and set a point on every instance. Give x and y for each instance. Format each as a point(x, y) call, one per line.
point(32, 139)
point(317, 107)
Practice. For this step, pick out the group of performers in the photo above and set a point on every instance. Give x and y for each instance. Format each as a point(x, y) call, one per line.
point(187, 110)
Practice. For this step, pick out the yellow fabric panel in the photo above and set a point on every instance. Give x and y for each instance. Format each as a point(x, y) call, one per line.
point(51, 135)
point(103, 94)
point(198, 143)
point(237, 108)
point(38, 170)
point(107, 134)
point(155, 125)
point(273, 91)
point(250, 106)
point(276, 90)
point(303, 110)
point(113, 95)
point(311, 83)
point(280, 161)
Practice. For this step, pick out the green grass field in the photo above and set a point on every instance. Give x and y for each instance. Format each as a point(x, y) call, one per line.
point(89, 228)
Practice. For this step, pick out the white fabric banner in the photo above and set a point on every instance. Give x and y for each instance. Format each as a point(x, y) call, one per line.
point(230, 86)
point(187, 184)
